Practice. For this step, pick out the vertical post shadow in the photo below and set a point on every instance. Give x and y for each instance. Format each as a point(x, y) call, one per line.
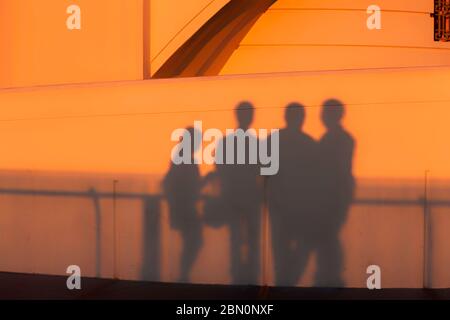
point(98, 236)
point(151, 266)
point(427, 238)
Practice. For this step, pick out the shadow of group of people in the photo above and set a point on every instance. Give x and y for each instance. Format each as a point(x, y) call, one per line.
point(307, 201)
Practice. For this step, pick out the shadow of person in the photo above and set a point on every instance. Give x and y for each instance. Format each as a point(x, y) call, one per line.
point(336, 182)
point(241, 191)
point(151, 238)
point(182, 186)
point(291, 198)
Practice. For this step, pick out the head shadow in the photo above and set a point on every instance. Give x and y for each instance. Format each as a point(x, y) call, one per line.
point(244, 113)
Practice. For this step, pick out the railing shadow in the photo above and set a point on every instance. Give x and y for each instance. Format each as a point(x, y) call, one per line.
point(151, 204)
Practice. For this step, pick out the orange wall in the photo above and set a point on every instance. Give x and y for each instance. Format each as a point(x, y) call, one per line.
point(38, 49)
point(388, 107)
point(84, 137)
point(331, 35)
point(122, 131)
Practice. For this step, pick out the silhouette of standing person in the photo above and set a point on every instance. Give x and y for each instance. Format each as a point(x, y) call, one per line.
point(337, 185)
point(290, 198)
point(241, 189)
point(182, 186)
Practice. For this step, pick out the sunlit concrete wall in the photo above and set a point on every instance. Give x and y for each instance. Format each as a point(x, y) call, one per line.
point(37, 48)
point(329, 35)
point(115, 139)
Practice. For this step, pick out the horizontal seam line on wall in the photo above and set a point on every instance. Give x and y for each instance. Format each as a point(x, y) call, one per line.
point(361, 104)
point(337, 45)
point(348, 9)
point(221, 77)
